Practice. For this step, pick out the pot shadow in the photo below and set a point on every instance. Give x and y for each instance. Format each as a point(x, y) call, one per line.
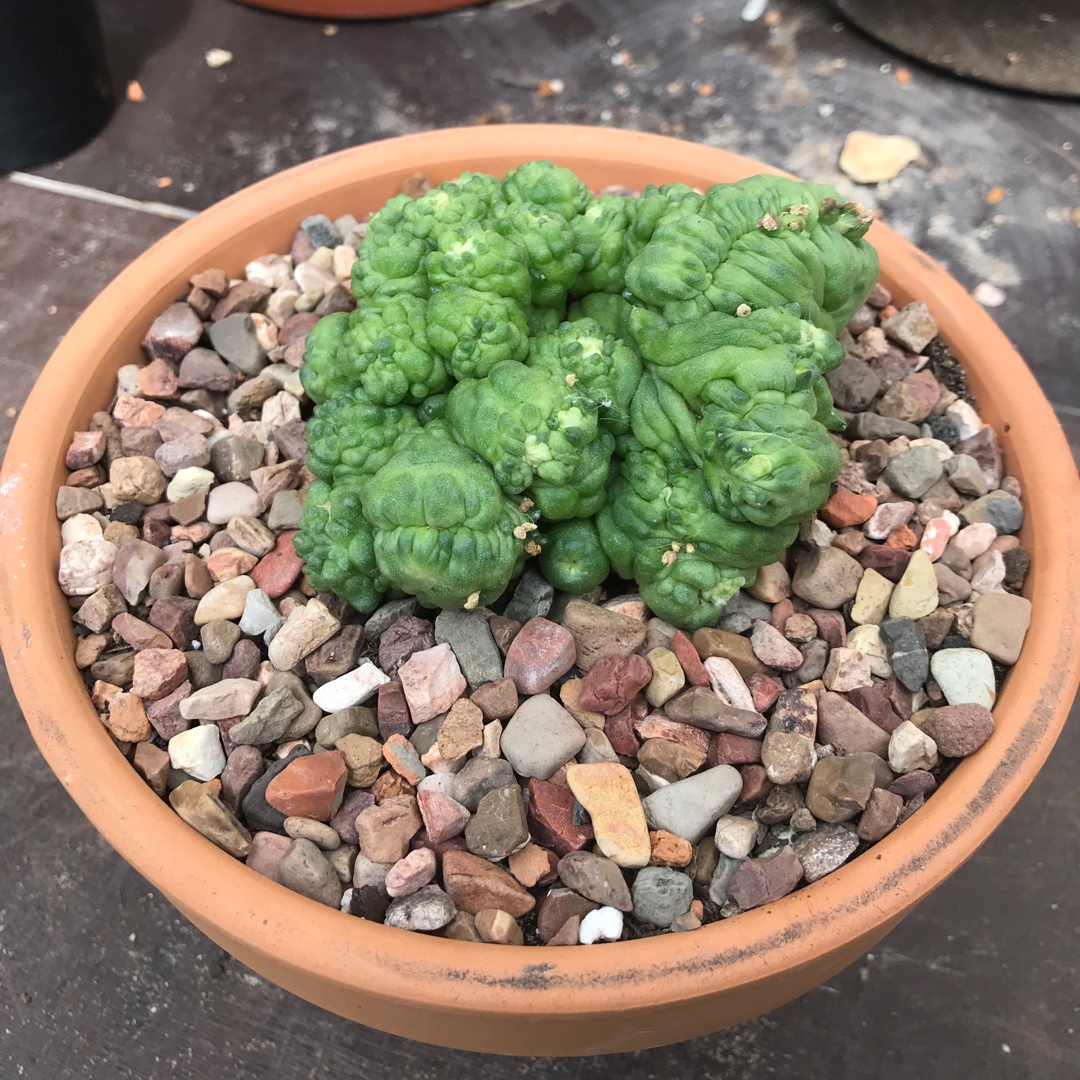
point(135, 32)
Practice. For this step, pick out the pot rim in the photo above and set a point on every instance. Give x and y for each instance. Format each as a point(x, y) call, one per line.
point(241, 909)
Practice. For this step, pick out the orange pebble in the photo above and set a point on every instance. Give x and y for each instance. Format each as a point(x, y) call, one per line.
point(902, 537)
point(697, 909)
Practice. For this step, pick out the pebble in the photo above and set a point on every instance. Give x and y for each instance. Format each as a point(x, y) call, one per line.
point(498, 927)
point(773, 649)
point(667, 677)
point(259, 616)
point(127, 719)
point(552, 817)
point(413, 872)
point(912, 326)
point(385, 830)
point(304, 630)
point(872, 159)
point(690, 808)
point(478, 777)
point(498, 828)
point(427, 909)
point(661, 895)
point(541, 653)
point(598, 632)
point(911, 749)
point(1000, 623)
point(905, 645)
point(322, 836)
point(689, 659)
point(603, 924)
point(269, 720)
point(966, 676)
point(158, 672)
point(225, 601)
point(468, 635)
point(839, 788)
point(765, 880)
point(541, 737)
point(914, 472)
point(958, 730)
point(444, 817)
point(847, 669)
point(880, 816)
point(221, 700)
point(826, 577)
point(532, 599)
point(401, 756)
point(825, 849)
point(736, 837)
point(474, 884)
point(401, 639)
point(207, 814)
point(431, 681)
point(596, 878)
point(998, 508)
point(353, 688)
point(278, 571)
point(198, 752)
point(788, 757)
point(612, 683)
point(916, 594)
point(844, 726)
point(230, 500)
point(534, 865)
point(311, 786)
point(462, 731)
point(607, 792)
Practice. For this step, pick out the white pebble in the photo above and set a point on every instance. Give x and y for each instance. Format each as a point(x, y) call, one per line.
point(198, 752)
point(966, 418)
point(442, 782)
point(941, 449)
point(80, 527)
point(350, 689)
point(85, 566)
point(727, 683)
point(346, 901)
point(191, 480)
point(966, 676)
point(952, 521)
point(736, 836)
point(603, 924)
point(815, 533)
point(988, 294)
point(911, 749)
point(259, 614)
point(127, 380)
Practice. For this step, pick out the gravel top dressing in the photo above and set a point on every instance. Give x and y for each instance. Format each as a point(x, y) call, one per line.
point(533, 767)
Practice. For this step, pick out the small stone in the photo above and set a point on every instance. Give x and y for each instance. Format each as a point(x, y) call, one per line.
point(988, 571)
point(966, 676)
point(690, 808)
point(773, 649)
point(1000, 509)
point(906, 649)
point(825, 849)
point(771, 584)
point(910, 749)
point(603, 924)
point(958, 730)
point(916, 594)
point(845, 508)
point(595, 877)
point(980, 443)
point(225, 601)
point(839, 788)
point(269, 721)
point(800, 629)
point(413, 872)
point(468, 635)
point(384, 830)
point(126, 718)
point(728, 646)
point(670, 761)
point(846, 670)
point(728, 749)
point(552, 821)
point(608, 793)
point(478, 777)
point(401, 639)
point(322, 836)
point(306, 870)
point(613, 682)
point(912, 326)
point(305, 629)
point(432, 681)
point(497, 700)
point(871, 159)
point(765, 880)
point(689, 660)
point(474, 884)
point(352, 688)
point(427, 909)
point(736, 837)
point(788, 757)
point(1000, 624)
point(498, 927)
point(872, 598)
point(661, 895)
point(401, 756)
point(880, 816)
point(198, 752)
point(541, 737)
point(844, 726)
point(363, 758)
point(158, 672)
point(220, 701)
point(207, 814)
point(826, 577)
point(541, 653)
point(598, 632)
point(277, 572)
point(914, 472)
point(444, 817)
point(532, 598)
point(462, 731)
point(702, 708)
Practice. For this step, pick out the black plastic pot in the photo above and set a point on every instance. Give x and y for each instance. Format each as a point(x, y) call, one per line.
point(55, 92)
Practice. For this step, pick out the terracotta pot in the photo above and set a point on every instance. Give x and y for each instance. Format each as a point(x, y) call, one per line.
point(359, 9)
point(500, 998)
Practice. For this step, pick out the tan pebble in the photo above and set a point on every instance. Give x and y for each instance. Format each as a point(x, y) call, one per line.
point(609, 795)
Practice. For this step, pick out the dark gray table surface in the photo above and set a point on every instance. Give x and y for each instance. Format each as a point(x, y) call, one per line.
point(99, 977)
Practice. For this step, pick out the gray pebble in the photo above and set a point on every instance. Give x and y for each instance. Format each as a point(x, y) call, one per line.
point(914, 472)
point(1002, 510)
point(661, 895)
point(235, 457)
point(260, 614)
point(825, 849)
point(532, 598)
point(321, 231)
point(269, 720)
point(218, 639)
point(427, 909)
point(467, 634)
point(721, 878)
point(905, 646)
point(382, 618)
point(305, 870)
point(356, 720)
point(235, 340)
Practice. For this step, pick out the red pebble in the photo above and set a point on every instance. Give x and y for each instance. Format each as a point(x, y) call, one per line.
point(764, 689)
point(688, 658)
point(728, 749)
point(620, 732)
point(277, 572)
point(613, 682)
point(310, 786)
point(845, 508)
point(551, 818)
